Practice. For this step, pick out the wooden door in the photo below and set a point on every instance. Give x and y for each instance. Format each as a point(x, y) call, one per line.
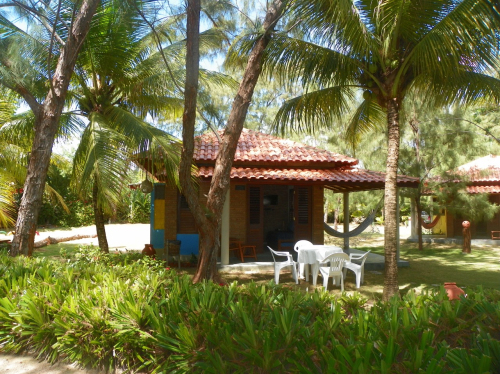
point(255, 219)
point(302, 213)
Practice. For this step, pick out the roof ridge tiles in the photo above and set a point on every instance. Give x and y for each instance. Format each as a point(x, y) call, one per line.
point(257, 146)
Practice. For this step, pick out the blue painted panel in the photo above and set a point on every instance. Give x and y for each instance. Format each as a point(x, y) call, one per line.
point(190, 243)
point(156, 237)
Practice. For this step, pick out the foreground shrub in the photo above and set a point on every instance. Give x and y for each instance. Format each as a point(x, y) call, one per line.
point(142, 316)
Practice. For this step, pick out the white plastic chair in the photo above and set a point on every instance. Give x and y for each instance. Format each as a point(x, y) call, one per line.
point(334, 270)
point(358, 269)
point(300, 243)
point(296, 247)
point(278, 265)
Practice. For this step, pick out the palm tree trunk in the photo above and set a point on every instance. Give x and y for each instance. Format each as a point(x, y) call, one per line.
point(99, 221)
point(209, 227)
point(47, 117)
point(207, 259)
point(391, 287)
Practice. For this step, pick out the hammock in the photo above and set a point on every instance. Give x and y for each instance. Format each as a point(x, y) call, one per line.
point(429, 226)
point(358, 230)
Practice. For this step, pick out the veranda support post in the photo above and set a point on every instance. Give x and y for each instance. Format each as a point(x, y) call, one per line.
point(346, 221)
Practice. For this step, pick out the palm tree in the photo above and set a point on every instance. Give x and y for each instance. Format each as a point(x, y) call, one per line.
point(121, 80)
point(117, 84)
point(382, 50)
point(127, 82)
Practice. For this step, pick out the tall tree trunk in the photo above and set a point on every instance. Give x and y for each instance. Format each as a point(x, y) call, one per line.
point(188, 123)
point(419, 221)
point(391, 287)
point(413, 218)
point(209, 227)
point(99, 220)
point(47, 117)
point(414, 124)
point(336, 213)
point(325, 211)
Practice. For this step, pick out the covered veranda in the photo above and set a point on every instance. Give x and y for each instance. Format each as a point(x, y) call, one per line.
point(353, 180)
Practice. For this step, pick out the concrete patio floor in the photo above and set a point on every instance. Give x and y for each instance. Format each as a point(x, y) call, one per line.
point(265, 262)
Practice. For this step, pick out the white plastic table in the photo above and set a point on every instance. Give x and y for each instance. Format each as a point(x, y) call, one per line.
point(313, 255)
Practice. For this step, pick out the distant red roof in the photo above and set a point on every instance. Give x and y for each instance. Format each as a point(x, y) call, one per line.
point(483, 189)
point(258, 147)
point(484, 169)
point(480, 176)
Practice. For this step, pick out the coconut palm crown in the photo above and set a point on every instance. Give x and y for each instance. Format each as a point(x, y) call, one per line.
point(381, 51)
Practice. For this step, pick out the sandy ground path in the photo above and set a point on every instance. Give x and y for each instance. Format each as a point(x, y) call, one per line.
point(14, 364)
point(131, 236)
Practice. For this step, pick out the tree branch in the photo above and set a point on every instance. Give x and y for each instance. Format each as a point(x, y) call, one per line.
point(22, 91)
point(210, 126)
point(43, 19)
point(487, 132)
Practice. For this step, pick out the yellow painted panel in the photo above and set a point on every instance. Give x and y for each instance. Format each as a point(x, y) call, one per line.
point(440, 228)
point(159, 214)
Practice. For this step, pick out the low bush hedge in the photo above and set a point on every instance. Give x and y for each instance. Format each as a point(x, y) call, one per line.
point(139, 315)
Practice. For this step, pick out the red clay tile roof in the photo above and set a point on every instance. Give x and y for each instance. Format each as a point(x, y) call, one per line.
point(265, 157)
point(481, 175)
point(333, 176)
point(483, 189)
point(483, 163)
point(258, 147)
point(484, 169)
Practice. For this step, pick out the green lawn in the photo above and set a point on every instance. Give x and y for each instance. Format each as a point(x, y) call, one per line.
point(54, 250)
point(429, 269)
point(437, 264)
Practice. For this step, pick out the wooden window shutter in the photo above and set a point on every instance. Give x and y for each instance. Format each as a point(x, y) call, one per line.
point(185, 221)
point(303, 204)
point(254, 205)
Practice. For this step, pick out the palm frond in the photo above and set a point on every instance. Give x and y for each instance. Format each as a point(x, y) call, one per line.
point(56, 197)
point(464, 89)
point(309, 63)
point(140, 134)
point(314, 111)
point(18, 129)
point(7, 110)
point(101, 158)
point(13, 163)
point(212, 80)
point(7, 210)
point(367, 117)
point(464, 28)
point(327, 22)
